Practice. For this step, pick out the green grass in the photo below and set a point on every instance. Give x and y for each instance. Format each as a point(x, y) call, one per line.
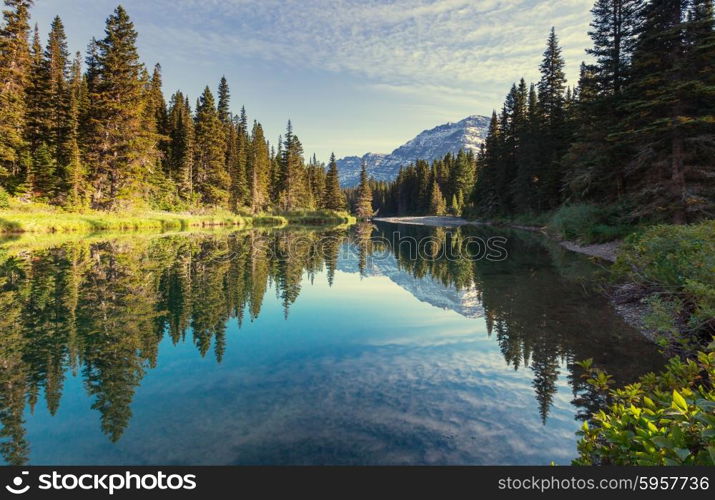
point(589, 224)
point(581, 222)
point(21, 217)
point(676, 264)
point(319, 217)
point(64, 222)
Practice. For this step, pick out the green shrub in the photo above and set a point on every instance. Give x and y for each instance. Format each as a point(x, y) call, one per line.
point(677, 264)
point(571, 221)
point(588, 223)
point(666, 419)
point(4, 199)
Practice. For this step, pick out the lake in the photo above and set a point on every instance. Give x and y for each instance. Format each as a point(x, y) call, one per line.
point(380, 344)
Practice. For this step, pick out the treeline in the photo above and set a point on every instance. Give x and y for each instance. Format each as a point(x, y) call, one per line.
point(101, 135)
point(637, 132)
point(183, 287)
point(444, 187)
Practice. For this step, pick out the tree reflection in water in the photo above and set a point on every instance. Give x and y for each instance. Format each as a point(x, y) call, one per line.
point(100, 309)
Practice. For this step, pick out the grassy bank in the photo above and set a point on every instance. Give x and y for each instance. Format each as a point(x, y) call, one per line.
point(582, 223)
point(37, 218)
point(672, 269)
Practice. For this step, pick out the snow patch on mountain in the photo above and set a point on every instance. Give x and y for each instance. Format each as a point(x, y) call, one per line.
point(468, 134)
point(463, 301)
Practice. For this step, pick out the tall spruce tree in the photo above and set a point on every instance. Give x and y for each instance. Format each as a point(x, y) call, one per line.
point(74, 171)
point(259, 171)
point(37, 112)
point(224, 100)
point(211, 178)
point(664, 120)
point(438, 205)
point(116, 94)
point(334, 197)
point(614, 29)
point(551, 88)
point(363, 208)
point(485, 196)
point(292, 189)
point(14, 78)
point(57, 97)
point(181, 146)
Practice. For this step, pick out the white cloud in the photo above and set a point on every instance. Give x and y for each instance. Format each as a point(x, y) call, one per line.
point(448, 43)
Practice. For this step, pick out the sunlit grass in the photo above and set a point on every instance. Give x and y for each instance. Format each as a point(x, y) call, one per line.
point(41, 218)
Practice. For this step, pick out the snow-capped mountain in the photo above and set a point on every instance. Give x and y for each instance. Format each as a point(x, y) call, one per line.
point(466, 302)
point(468, 134)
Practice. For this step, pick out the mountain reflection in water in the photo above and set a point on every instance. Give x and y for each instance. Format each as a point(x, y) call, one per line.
point(300, 347)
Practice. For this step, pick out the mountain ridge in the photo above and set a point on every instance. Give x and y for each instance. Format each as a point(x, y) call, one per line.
point(468, 134)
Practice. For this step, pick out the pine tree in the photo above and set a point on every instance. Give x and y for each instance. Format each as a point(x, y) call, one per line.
point(211, 179)
point(157, 114)
point(292, 187)
point(464, 174)
point(116, 149)
point(334, 197)
point(224, 101)
point(486, 198)
point(554, 135)
point(37, 115)
point(438, 206)
point(613, 30)
point(14, 78)
point(663, 119)
point(42, 178)
point(236, 168)
point(363, 208)
point(259, 170)
point(57, 96)
point(316, 182)
point(181, 146)
point(74, 171)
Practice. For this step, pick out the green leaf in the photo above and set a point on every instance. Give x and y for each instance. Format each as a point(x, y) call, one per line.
point(662, 442)
point(682, 453)
point(679, 401)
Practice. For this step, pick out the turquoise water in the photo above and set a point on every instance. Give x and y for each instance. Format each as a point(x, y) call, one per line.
point(299, 347)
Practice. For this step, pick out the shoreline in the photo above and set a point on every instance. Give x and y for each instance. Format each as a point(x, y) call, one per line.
point(628, 304)
point(13, 222)
point(605, 251)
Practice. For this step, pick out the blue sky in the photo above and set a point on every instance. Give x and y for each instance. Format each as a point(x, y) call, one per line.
point(353, 75)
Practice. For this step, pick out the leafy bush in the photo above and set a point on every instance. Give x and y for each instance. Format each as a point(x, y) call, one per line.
point(666, 419)
point(588, 223)
point(677, 265)
point(4, 199)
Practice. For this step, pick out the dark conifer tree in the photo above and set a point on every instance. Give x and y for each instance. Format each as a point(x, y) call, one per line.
point(211, 179)
point(74, 171)
point(37, 117)
point(115, 149)
point(15, 64)
point(662, 122)
point(553, 134)
point(180, 157)
point(57, 97)
point(334, 198)
point(364, 209)
point(259, 170)
point(224, 101)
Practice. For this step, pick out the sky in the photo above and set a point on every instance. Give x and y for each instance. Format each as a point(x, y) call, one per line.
point(354, 76)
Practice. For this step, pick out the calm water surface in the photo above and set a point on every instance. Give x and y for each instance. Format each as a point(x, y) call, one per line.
point(300, 347)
